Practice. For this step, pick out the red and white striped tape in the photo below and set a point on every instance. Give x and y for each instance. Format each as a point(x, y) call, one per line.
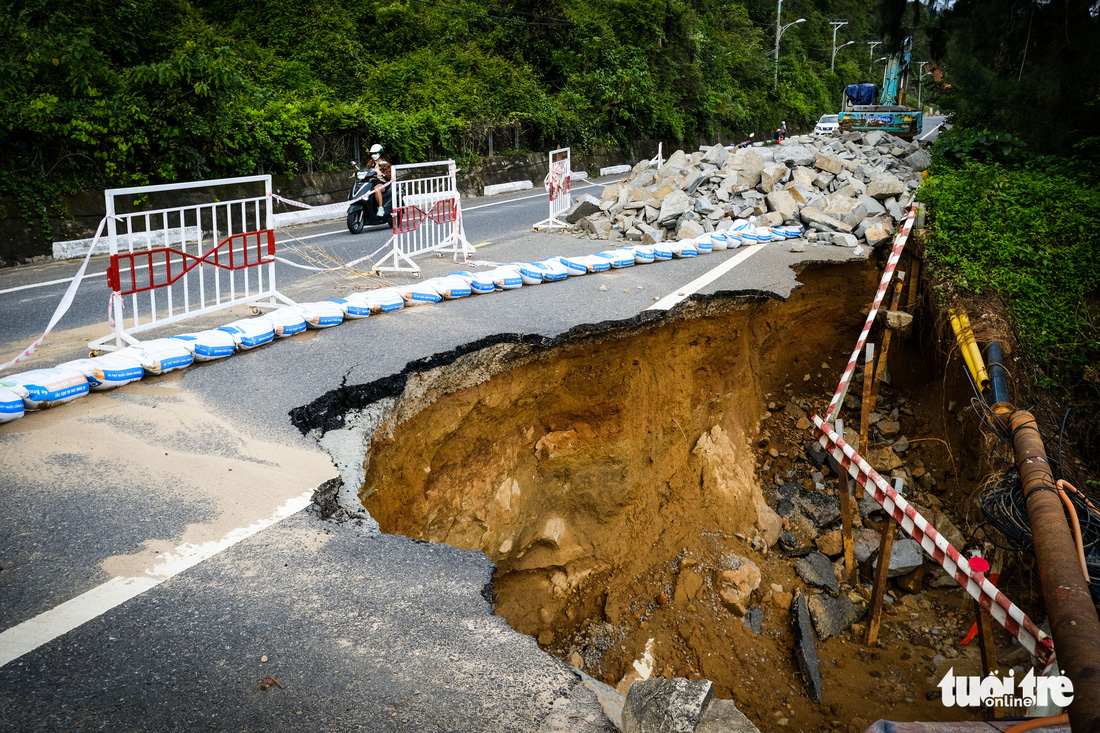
point(1008, 614)
point(887, 276)
point(64, 305)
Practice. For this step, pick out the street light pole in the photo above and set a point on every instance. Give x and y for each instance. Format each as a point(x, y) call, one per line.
point(778, 34)
point(836, 24)
point(835, 49)
point(920, 85)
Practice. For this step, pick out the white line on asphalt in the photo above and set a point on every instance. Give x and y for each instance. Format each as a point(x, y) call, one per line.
point(921, 137)
point(49, 625)
point(670, 301)
point(280, 241)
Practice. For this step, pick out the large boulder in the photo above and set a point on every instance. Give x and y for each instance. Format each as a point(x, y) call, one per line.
point(873, 206)
point(688, 229)
point(783, 203)
point(796, 155)
point(821, 221)
point(716, 156)
point(846, 209)
point(817, 571)
point(833, 614)
point(673, 205)
point(878, 233)
point(829, 163)
point(749, 164)
point(919, 160)
point(675, 162)
point(736, 583)
point(666, 706)
point(586, 205)
point(772, 176)
point(885, 187)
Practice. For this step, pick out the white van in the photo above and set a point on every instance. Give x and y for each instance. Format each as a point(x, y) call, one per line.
point(827, 124)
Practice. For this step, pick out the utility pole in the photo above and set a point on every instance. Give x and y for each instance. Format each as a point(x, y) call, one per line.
point(872, 44)
point(920, 85)
point(778, 33)
point(836, 24)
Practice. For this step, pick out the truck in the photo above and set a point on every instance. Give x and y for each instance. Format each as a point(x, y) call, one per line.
point(865, 107)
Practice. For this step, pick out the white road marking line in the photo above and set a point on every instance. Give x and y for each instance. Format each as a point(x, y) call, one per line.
point(670, 301)
point(938, 126)
point(279, 241)
point(49, 625)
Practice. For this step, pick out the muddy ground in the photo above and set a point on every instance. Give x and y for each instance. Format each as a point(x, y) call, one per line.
point(625, 483)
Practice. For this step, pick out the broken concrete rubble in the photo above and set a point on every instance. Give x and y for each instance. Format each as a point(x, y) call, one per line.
point(840, 185)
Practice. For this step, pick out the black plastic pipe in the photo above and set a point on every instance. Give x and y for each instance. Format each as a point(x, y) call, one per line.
point(998, 382)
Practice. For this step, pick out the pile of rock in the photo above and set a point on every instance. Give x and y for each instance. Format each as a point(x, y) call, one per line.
point(845, 189)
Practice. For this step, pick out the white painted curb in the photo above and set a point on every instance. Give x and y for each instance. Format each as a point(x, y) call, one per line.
point(614, 170)
point(494, 188)
point(77, 248)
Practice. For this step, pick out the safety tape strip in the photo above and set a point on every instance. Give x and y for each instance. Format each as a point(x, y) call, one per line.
point(1008, 614)
point(64, 305)
point(887, 276)
point(336, 206)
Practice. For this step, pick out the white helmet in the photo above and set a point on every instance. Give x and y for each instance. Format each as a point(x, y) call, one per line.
point(376, 148)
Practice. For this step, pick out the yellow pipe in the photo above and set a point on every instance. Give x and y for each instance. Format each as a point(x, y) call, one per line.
point(960, 323)
point(981, 376)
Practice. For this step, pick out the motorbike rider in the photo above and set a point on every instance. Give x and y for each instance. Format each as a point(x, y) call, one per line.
point(380, 163)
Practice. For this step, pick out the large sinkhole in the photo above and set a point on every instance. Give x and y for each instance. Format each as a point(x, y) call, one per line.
point(624, 482)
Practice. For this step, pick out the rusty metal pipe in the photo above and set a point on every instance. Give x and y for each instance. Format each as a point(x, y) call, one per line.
point(1073, 621)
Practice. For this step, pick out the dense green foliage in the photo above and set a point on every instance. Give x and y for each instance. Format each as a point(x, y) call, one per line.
point(1027, 231)
point(121, 92)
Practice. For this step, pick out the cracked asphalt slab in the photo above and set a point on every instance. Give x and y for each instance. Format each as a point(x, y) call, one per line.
point(376, 631)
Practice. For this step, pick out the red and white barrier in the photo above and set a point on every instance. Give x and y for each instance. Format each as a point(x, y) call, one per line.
point(427, 215)
point(177, 263)
point(1008, 614)
point(887, 276)
point(558, 185)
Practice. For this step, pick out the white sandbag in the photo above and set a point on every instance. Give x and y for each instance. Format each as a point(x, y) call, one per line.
point(208, 345)
point(573, 266)
point(287, 321)
point(418, 294)
point(382, 300)
point(719, 241)
point(683, 249)
point(352, 311)
point(480, 283)
point(107, 371)
point(450, 287)
point(42, 388)
point(321, 314)
point(248, 333)
point(617, 258)
point(505, 278)
point(160, 356)
point(741, 225)
point(793, 232)
point(763, 235)
point(662, 252)
point(552, 270)
point(704, 244)
point(643, 254)
point(593, 263)
point(748, 236)
point(11, 405)
point(530, 274)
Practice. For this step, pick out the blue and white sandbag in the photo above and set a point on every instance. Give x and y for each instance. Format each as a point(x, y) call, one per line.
point(594, 263)
point(208, 345)
point(480, 283)
point(505, 278)
point(617, 257)
point(662, 252)
point(287, 321)
point(552, 270)
point(451, 287)
point(704, 243)
point(741, 225)
point(107, 371)
point(721, 241)
point(530, 274)
point(248, 333)
point(573, 265)
point(418, 294)
point(321, 314)
point(643, 254)
point(763, 235)
point(160, 356)
point(748, 236)
point(382, 300)
point(352, 310)
point(683, 248)
point(43, 388)
point(11, 405)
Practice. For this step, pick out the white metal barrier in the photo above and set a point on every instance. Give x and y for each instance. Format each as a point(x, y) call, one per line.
point(557, 183)
point(427, 215)
point(200, 258)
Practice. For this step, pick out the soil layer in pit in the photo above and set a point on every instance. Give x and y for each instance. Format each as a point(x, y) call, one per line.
point(625, 485)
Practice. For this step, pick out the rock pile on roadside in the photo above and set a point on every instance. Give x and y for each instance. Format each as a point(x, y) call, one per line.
point(845, 189)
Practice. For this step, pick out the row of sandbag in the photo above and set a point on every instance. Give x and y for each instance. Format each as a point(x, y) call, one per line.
point(42, 388)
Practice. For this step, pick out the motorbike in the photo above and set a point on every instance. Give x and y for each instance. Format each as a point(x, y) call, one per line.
point(748, 141)
point(365, 212)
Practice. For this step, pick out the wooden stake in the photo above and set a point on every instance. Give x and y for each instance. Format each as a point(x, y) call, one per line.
point(914, 283)
point(985, 633)
point(844, 486)
point(882, 575)
point(865, 413)
point(881, 367)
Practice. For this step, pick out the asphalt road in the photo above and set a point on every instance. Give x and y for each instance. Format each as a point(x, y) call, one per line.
point(155, 562)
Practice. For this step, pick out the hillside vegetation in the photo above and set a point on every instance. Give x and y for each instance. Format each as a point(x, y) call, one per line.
point(124, 92)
